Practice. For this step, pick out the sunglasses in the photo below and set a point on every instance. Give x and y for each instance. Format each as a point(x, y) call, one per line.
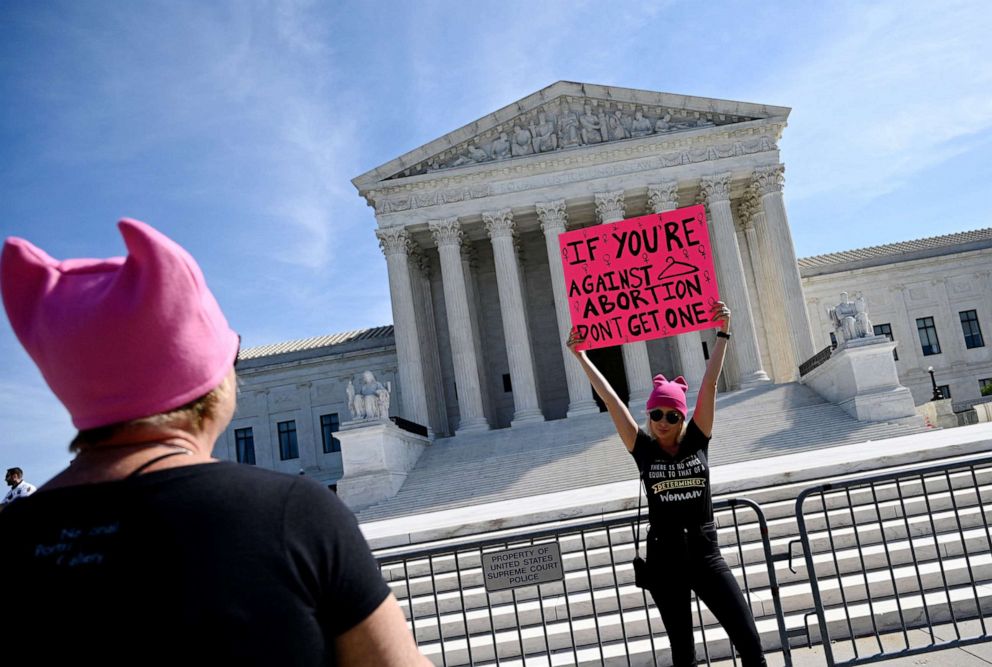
point(672, 416)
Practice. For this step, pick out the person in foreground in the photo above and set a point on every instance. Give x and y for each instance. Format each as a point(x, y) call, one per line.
point(682, 549)
point(146, 549)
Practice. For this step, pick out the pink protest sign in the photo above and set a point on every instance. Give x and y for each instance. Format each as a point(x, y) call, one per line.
point(641, 278)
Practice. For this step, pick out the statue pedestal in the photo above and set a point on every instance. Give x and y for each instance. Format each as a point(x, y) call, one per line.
point(376, 456)
point(861, 378)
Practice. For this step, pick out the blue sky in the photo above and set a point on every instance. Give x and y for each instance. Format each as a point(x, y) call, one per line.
point(235, 127)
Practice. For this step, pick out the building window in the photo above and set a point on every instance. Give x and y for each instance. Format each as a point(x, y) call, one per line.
point(507, 386)
point(985, 386)
point(972, 331)
point(928, 336)
point(706, 351)
point(833, 340)
point(945, 390)
point(288, 448)
point(329, 425)
point(886, 330)
point(244, 443)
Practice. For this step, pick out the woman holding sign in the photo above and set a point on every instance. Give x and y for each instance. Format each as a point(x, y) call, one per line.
point(682, 549)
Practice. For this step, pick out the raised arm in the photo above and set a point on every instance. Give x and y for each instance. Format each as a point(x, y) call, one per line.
point(622, 419)
point(706, 400)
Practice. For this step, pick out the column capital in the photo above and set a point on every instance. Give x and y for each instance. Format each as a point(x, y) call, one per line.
point(767, 180)
point(499, 223)
point(420, 260)
point(552, 215)
point(446, 232)
point(663, 196)
point(470, 255)
point(748, 208)
point(715, 188)
point(610, 205)
point(394, 241)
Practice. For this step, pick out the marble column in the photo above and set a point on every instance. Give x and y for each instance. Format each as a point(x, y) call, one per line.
point(610, 208)
point(470, 265)
point(553, 218)
point(447, 235)
point(499, 224)
point(664, 197)
point(769, 301)
point(733, 286)
point(395, 243)
point(768, 183)
point(421, 270)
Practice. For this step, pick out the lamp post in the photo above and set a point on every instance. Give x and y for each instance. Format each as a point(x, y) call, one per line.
point(933, 381)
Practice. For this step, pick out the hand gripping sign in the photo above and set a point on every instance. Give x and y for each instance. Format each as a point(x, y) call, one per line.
point(642, 278)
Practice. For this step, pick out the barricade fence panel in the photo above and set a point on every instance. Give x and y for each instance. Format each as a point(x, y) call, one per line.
point(900, 564)
point(565, 595)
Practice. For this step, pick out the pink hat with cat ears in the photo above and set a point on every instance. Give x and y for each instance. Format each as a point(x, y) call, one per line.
point(668, 394)
point(120, 338)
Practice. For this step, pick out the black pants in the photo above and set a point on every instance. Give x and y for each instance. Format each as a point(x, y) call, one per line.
point(684, 560)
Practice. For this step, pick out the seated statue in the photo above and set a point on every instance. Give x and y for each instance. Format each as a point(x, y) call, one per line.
point(641, 126)
point(371, 401)
point(521, 141)
point(501, 147)
point(850, 319)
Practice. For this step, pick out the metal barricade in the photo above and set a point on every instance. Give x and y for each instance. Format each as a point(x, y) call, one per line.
point(900, 563)
point(592, 614)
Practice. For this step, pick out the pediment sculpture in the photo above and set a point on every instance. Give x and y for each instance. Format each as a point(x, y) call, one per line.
point(569, 123)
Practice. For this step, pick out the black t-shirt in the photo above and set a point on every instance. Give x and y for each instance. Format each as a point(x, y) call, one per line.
point(220, 563)
point(677, 488)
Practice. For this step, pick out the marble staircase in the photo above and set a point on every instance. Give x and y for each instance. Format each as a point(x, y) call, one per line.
point(533, 459)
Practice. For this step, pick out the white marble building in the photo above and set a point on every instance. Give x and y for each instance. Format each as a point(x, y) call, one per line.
point(469, 226)
point(292, 400)
point(933, 296)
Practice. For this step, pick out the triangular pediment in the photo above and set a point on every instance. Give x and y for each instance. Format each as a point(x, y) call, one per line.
point(567, 116)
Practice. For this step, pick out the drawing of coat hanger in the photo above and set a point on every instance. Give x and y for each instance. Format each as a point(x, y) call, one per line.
point(673, 268)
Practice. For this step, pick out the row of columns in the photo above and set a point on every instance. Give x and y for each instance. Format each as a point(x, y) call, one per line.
point(778, 274)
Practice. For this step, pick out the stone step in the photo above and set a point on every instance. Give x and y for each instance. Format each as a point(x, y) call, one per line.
point(533, 459)
point(908, 580)
point(602, 551)
point(609, 638)
point(451, 593)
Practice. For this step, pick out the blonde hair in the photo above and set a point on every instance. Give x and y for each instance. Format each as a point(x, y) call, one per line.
point(190, 416)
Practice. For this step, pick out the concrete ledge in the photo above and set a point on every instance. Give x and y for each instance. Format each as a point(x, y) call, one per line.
point(736, 478)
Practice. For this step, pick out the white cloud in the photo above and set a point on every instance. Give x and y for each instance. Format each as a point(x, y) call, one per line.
point(889, 90)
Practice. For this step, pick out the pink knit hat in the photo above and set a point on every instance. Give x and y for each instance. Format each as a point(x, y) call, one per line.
point(668, 394)
point(120, 338)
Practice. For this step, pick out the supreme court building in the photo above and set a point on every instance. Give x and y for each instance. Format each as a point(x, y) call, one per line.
point(469, 224)
point(469, 227)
